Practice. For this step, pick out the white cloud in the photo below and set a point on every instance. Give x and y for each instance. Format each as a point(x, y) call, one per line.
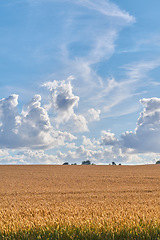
point(79, 123)
point(71, 145)
point(83, 153)
point(30, 129)
point(37, 157)
point(61, 155)
point(108, 138)
point(138, 71)
point(115, 93)
point(151, 104)
point(107, 8)
point(91, 143)
point(3, 153)
point(62, 137)
point(104, 7)
point(93, 115)
point(100, 156)
point(87, 141)
point(146, 137)
point(63, 100)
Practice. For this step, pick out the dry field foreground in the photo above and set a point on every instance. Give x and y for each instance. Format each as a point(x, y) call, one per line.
point(40, 195)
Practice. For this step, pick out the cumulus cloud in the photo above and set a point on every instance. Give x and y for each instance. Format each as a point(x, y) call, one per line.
point(71, 145)
point(93, 115)
point(3, 153)
point(83, 153)
point(32, 157)
point(146, 137)
point(87, 141)
point(63, 100)
point(99, 156)
point(108, 138)
point(32, 130)
point(36, 157)
point(8, 114)
point(62, 137)
point(79, 123)
point(91, 143)
point(29, 129)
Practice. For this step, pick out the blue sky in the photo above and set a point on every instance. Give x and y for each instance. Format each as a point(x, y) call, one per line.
point(79, 80)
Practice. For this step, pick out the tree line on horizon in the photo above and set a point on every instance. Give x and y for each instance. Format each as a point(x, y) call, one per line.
point(87, 162)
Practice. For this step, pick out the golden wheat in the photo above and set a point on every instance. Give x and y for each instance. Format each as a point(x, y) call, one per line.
point(32, 196)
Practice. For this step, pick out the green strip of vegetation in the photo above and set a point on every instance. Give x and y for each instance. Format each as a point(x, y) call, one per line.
point(147, 232)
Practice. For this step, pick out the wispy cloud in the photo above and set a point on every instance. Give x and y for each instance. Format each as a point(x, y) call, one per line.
point(136, 74)
point(98, 45)
point(146, 42)
point(137, 71)
point(107, 8)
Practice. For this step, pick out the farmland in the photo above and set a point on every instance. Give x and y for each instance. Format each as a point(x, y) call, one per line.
point(72, 200)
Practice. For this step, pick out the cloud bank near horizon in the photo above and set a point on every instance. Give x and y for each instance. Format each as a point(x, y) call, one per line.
point(37, 128)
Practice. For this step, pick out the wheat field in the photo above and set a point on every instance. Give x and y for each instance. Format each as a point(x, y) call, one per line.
point(102, 199)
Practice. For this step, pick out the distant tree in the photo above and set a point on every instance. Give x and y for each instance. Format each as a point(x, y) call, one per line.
point(113, 163)
point(65, 163)
point(158, 162)
point(119, 163)
point(86, 162)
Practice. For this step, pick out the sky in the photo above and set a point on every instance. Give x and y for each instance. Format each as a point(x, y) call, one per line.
point(79, 80)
